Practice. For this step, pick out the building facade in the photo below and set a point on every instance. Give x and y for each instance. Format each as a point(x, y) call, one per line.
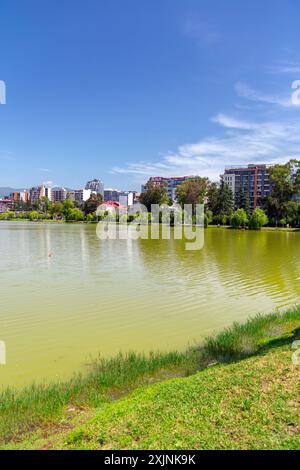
point(36, 193)
point(5, 205)
point(170, 184)
point(19, 197)
point(252, 180)
point(95, 186)
point(59, 194)
point(82, 195)
point(111, 195)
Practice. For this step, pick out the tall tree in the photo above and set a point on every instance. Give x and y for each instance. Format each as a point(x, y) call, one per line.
point(91, 205)
point(154, 194)
point(192, 191)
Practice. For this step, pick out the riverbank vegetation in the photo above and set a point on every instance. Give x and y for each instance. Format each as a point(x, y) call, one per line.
point(280, 209)
point(238, 389)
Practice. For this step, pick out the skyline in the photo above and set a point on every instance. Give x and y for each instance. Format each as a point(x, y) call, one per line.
point(161, 89)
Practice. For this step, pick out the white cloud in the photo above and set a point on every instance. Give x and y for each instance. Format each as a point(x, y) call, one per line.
point(245, 91)
point(241, 142)
point(287, 67)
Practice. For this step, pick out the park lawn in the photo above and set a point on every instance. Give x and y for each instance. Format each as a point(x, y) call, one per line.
point(245, 396)
point(251, 404)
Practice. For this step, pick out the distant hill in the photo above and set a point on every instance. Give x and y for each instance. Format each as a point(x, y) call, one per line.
point(6, 191)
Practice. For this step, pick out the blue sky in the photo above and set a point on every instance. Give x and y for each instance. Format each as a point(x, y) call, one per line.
point(125, 89)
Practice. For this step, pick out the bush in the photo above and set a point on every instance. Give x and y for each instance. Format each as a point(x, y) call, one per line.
point(239, 219)
point(258, 219)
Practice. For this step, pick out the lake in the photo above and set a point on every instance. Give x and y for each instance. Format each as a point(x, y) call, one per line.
point(92, 297)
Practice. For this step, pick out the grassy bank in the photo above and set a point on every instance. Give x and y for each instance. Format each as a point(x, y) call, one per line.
point(239, 389)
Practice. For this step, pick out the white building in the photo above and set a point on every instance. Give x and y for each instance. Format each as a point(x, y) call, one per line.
point(229, 179)
point(82, 195)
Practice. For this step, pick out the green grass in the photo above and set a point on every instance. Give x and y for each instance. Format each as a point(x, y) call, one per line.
point(252, 404)
point(247, 398)
point(24, 410)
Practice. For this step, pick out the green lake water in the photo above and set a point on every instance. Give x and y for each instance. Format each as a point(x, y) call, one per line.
point(92, 297)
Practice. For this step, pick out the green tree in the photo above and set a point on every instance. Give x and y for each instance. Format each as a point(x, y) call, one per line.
point(239, 218)
point(154, 194)
point(244, 202)
point(213, 197)
point(68, 205)
point(258, 219)
point(285, 182)
point(34, 215)
point(192, 191)
point(74, 214)
point(56, 209)
point(92, 204)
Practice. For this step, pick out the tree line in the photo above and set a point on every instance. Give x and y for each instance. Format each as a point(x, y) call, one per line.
point(280, 208)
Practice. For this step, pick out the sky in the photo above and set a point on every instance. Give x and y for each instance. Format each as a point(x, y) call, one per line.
point(121, 90)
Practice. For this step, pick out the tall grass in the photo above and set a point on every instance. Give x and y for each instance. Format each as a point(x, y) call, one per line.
point(243, 340)
point(39, 405)
point(22, 410)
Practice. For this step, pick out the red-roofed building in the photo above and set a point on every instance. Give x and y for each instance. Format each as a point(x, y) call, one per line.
point(5, 205)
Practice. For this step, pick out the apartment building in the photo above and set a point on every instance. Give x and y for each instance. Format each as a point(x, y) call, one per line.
point(36, 193)
point(170, 184)
point(20, 196)
point(5, 205)
point(252, 180)
point(95, 186)
point(59, 194)
point(82, 195)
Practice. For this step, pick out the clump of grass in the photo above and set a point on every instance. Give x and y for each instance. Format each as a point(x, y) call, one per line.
point(36, 406)
point(243, 340)
point(23, 410)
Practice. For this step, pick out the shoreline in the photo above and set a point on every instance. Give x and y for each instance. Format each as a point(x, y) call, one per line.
point(35, 409)
point(93, 222)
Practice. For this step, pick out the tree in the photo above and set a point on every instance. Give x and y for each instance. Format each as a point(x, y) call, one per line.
point(258, 219)
point(220, 202)
point(154, 194)
point(285, 182)
point(213, 197)
point(192, 191)
point(75, 214)
point(56, 209)
point(92, 204)
point(239, 218)
point(244, 202)
point(34, 215)
point(226, 202)
point(68, 205)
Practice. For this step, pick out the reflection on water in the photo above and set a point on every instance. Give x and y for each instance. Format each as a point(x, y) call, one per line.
point(67, 296)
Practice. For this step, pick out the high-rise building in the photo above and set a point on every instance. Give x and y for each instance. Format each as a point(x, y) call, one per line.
point(59, 194)
point(96, 186)
point(251, 180)
point(170, 184)
point(20, 196)
point(111, 195)
point(36, 193)
point(48, 193)
point(82, 195)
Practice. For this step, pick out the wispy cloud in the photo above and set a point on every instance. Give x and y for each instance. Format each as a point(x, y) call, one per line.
point(241, 142)
point(290, 67)
point(48, 183)
point(44, 170)
point(245, 91)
